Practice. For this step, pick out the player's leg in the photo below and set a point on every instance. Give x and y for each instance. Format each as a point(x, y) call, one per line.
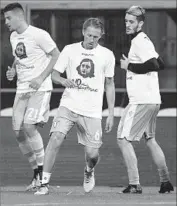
point(90, 135)
point(19, 109)
point(51, 152)
point(62, 124)
point(27, 151)
point(131, 165)
point(124, 142)
point(91, 158)
point(37, 113)
point(36, 143)
point(131, 128)
point(157, 154)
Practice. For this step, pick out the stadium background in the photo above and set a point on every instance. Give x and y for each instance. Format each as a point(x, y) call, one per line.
point(63, 20)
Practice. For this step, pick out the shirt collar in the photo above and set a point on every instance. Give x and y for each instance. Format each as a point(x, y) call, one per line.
point(135, 34)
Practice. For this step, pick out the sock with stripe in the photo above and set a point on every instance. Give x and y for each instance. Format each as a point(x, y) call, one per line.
point(27, 151)
point(38, 148)
point(46, 178)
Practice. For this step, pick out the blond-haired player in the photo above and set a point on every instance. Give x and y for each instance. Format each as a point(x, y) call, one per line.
point(35, 55)
point(139, 117)
point(90, 69)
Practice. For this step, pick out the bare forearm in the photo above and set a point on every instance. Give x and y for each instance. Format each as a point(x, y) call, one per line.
point(14, 64)
point(55, 54)
point(110, 95)
point(56, 78)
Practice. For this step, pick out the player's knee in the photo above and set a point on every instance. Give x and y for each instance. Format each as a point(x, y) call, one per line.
point(151, 142)
point(92, 152)
point(57, 138)
point(93, 161)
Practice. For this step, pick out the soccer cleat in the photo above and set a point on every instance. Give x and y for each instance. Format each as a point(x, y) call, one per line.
point(133, 189)
point(166, 187)
point(89, 180)
point(35, 183)
point(42, 190)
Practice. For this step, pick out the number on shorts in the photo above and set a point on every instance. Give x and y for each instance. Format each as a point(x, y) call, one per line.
point(32, 113)
point(97, 136)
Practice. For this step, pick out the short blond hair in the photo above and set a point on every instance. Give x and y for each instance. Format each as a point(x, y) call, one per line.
point(94, 22)
point(137, 11)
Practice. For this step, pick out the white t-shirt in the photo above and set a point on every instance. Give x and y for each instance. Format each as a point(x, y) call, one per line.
point(88, 69)
point(31, 50)
point(142, 88)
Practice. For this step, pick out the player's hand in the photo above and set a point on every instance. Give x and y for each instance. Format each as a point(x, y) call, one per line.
point(109, 123)
point(68, 83)
point(36, 83)
point(10, 74)
point(124, 62)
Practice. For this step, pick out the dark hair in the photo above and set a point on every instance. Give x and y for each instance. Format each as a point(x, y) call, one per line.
point(137, 11)
point(95, 22)
point(13, 6)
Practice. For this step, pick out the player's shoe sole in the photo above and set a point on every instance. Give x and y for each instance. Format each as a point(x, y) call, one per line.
point(43, 190)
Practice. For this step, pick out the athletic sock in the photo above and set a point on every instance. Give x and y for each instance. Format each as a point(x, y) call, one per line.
point(164, 174)
point(38, 148)
point(35, 173)
point(27, 151)
point(46, 177)
point(133, 177)
point(40, 170)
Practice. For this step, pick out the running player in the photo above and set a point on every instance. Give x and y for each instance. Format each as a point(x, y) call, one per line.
point(35, 55)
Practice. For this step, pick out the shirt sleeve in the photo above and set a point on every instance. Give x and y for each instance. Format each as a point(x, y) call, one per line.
point(145, 49)
point(110, 65)
point(62, 61)
point(150, 65)
point(44, 40)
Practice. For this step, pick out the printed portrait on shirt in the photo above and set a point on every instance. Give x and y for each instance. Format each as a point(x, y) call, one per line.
point(86, 68)
point(20, 50)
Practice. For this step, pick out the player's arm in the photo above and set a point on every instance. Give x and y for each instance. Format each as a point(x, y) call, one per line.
point(11, 71)
point(110, 91)
point(60, 67)
point(54, 56)
point(110, 94)
point(58, 79)
point(46, 43)
point(14, 64)
point(150, 59)
point(150, 65)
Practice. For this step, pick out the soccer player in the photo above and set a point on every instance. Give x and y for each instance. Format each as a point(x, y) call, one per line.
point(139, 117)
point(90, 69)
point(35, 55)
